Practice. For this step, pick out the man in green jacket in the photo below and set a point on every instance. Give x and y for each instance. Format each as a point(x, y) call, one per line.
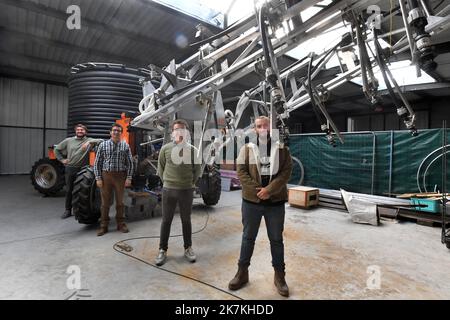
point(73, 152)
point(179, 172)
point(264, 169)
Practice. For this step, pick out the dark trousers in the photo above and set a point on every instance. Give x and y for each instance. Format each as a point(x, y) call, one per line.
point(170, 199)
point(251, 220)
point(70, 176)
point(113, 182)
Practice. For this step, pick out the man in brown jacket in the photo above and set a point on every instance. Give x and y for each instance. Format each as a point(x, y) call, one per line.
point(264, 169)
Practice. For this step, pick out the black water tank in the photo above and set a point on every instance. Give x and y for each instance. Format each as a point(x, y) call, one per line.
point(99, 93)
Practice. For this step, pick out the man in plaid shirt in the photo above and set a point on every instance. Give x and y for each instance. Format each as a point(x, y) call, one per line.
point(113, 170)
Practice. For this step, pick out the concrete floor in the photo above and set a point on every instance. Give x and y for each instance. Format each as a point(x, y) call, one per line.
point(327, 256)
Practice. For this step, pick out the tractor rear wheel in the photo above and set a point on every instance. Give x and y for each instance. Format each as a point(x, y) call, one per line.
point(47, 176)
point(86, 198)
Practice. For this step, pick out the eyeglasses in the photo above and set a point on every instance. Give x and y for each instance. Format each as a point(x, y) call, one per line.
point(115, 130)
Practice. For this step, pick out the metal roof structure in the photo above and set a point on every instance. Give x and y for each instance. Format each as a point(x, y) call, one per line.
point(36, 43)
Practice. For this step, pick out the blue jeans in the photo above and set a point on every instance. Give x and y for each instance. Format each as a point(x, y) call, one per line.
point(251, 220)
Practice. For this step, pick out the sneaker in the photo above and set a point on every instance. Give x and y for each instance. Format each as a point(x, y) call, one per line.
point(161, 258)
point(66, 214)
point(190, 255)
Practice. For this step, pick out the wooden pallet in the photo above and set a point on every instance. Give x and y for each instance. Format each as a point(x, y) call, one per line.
point(423, 218)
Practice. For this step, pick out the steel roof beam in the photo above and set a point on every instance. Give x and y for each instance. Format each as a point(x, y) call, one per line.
point(14, 34)
point(44, 10)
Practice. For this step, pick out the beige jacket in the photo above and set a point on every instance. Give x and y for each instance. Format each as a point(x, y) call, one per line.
point(248, 170)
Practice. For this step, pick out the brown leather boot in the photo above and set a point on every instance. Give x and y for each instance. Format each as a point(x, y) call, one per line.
point(122, 227)
point(280, 283)
point(104, 220)
point(240, 279)
point(102, 231)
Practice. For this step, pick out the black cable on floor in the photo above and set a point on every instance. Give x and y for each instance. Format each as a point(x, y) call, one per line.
point(169, 271)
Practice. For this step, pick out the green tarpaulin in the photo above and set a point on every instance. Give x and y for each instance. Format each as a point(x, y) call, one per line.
point(366, 162)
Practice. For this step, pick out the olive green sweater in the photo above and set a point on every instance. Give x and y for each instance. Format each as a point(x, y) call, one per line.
point(178, 170)
point(70, 148)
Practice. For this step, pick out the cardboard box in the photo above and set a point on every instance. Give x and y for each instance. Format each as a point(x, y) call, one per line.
point(304, 197)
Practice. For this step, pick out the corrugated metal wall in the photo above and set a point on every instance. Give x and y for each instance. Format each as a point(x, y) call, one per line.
point(21, 103)
point(33, 116)
point(56, 115)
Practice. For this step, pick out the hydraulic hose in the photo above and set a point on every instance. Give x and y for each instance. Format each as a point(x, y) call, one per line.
point(382, 64)
point(264, 39)
point(308, 87)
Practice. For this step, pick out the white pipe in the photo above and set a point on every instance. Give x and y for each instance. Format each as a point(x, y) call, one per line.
point(141, 104)
point(423, 161)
